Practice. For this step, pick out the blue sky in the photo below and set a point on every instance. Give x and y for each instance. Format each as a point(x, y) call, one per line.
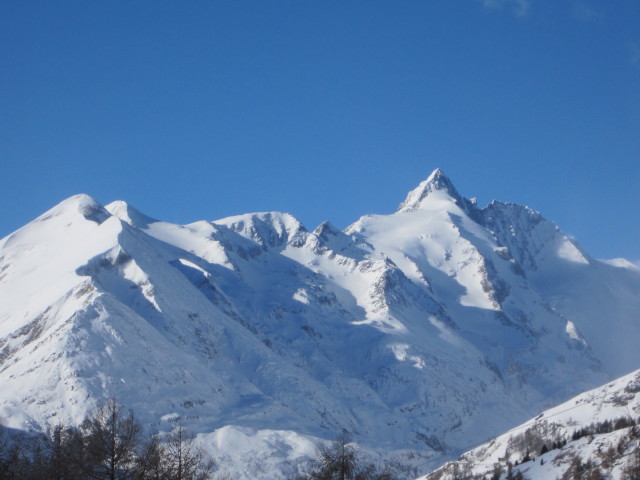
point(324, 109)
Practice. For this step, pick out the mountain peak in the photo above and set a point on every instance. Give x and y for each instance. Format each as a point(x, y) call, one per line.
point(77, 202)
point(437, 181)
point(437, 174)
point(269, 229)
point(326, 228)
point(129, 214)
point(82, 203)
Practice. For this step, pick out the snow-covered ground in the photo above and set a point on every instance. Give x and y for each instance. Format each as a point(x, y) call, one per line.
point(608, 447)
point(420, 332)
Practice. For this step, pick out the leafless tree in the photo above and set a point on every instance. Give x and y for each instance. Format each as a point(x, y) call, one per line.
point(110, 438)
point(187, 461)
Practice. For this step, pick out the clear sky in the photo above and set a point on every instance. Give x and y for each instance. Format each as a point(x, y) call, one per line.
point(324, 109)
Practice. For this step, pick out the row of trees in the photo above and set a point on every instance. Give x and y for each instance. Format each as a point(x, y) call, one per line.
point(606, 426)
point(109, 444)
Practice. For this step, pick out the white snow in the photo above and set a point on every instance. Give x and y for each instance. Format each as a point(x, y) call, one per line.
point(612, 401)
point(420, 332)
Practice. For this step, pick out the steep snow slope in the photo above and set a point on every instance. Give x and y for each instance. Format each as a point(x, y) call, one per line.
point(593, 431)
point(424, 331)
point(108, 314)
point(596, 297)
point(436, 240)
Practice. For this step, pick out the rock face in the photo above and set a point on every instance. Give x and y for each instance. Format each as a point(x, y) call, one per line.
point(423, 331)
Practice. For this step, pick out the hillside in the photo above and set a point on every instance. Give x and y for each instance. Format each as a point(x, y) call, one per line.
point(594, 435)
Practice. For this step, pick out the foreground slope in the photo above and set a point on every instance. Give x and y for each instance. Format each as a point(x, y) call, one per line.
point(423, 331)
point(594, 435)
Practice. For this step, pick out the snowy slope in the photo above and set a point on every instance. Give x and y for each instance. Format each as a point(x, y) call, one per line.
point(421, 332)
point(595, 296)
point(594, 428)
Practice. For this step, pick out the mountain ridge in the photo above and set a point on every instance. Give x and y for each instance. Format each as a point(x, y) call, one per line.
point(418, 331)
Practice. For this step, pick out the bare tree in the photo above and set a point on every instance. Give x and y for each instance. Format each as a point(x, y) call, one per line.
point(339, 461)
point(110, 439)
point(64, 454)
point(632, 469)
point(187, 461)
point(13, 462)
point(151, 463)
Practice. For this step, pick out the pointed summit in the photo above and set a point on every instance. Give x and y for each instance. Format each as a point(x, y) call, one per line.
point(326, 228)
point(437, 181)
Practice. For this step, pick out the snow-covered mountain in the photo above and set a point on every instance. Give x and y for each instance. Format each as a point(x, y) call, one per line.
point(421, 332)
point(594, 435)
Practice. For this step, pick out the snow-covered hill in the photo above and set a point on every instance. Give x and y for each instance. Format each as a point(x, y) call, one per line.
point(421, 332)
point(594, 435)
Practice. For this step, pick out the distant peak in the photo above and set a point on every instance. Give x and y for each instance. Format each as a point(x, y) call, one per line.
point(326, 228)
point(128, 214)
point(266, 228)
point(437, 181)
point(81, 203)
point(437, 173)
point(81, 200)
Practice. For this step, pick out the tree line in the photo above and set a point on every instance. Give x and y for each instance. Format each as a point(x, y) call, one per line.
point(110, 444)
